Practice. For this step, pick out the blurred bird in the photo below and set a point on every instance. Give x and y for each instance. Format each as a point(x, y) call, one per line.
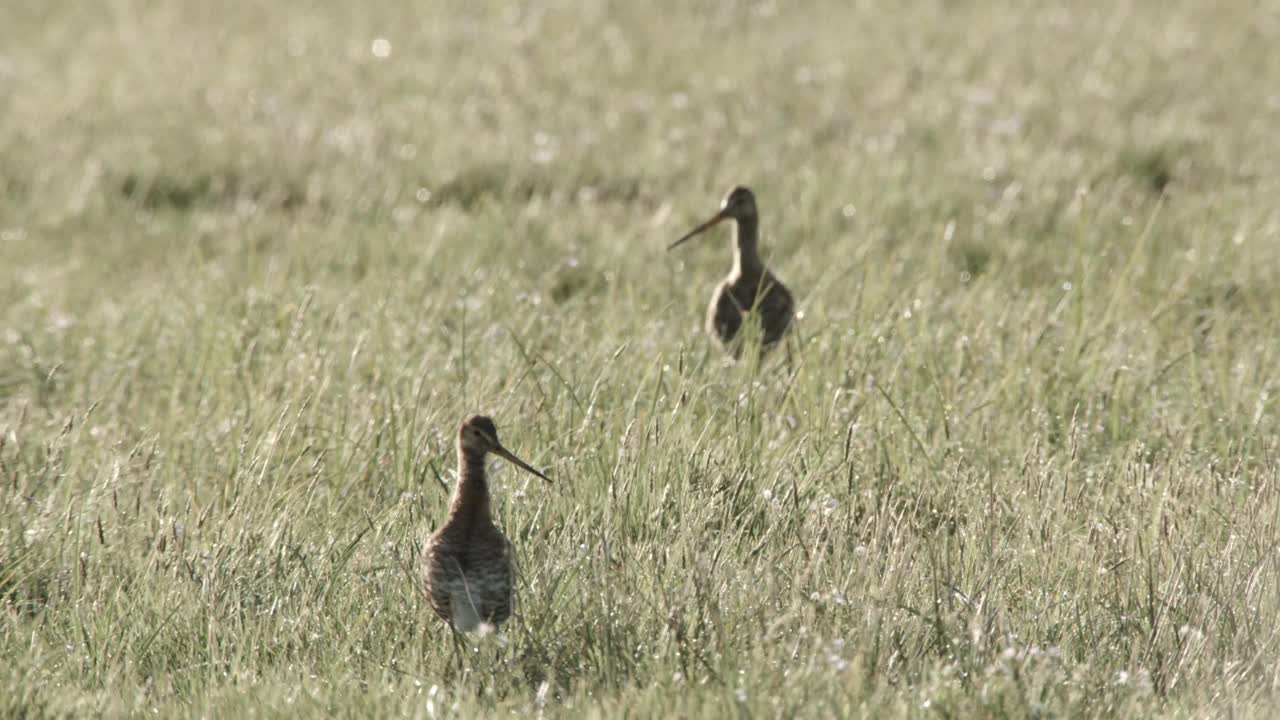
point(469, 561)
point(749, 290)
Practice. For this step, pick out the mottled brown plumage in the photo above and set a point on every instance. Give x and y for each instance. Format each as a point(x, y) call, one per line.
point(750, 291)
point(469, 569)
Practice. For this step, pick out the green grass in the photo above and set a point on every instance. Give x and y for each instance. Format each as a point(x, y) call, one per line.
point(254, 276)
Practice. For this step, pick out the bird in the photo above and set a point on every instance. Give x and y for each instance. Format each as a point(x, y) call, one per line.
point(750, 289)
point(469, 565)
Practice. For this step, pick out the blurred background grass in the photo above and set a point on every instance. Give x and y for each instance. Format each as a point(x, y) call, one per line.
point(259, 262)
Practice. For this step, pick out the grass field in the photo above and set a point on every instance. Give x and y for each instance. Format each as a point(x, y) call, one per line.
point(258, 262)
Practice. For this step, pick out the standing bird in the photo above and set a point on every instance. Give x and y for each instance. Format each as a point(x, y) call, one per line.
point(749, 289)
point(469, 562)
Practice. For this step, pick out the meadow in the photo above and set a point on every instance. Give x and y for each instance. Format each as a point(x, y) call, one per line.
point(258, 261)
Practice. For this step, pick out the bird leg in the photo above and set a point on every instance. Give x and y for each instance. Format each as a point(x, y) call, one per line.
point(459, 650)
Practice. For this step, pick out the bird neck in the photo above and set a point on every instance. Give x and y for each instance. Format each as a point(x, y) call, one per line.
point(470, 502)
point(746, 256)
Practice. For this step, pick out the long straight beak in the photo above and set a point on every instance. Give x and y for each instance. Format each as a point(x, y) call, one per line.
point(510, 457)
point(714, 219)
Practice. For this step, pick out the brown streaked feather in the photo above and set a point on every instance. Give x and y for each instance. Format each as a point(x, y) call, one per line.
point(476, 565)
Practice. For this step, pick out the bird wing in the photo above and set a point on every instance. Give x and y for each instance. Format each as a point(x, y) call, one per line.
point(502, 608)
point(776, 309)
point(440, 575)
point(724, 313)
point(490, 582)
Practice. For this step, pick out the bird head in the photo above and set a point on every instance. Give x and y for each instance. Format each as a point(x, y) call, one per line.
point(478, 435)
point(739, 204)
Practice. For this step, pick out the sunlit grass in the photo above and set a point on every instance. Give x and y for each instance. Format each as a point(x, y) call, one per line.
point(259, 262)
